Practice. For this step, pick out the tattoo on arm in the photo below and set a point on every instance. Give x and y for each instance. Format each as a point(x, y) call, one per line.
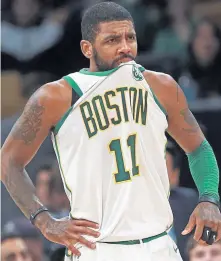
point(29, 124)
point(20, 187)
point(16, 179)
point(190, 120)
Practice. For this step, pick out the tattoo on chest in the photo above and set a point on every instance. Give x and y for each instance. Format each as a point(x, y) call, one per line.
point(30, 122)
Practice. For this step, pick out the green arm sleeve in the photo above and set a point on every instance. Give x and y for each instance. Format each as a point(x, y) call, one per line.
point(204, 170)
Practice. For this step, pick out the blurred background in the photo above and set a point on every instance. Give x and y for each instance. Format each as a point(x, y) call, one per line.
point(40, 43)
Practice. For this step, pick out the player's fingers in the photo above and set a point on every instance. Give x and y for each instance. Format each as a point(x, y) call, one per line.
point(85, 223)
point(190, 226)
point(206, 233)
point(210, 231)
point(86, 231)
point(87, 243)
point(68, 252)
point(202, 243)
point(74, 238)
point(199, 230)
point(72, 249)
point(218, 232)
point(213, 234)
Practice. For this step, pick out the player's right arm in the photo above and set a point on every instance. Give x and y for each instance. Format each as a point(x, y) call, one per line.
point(43, 110)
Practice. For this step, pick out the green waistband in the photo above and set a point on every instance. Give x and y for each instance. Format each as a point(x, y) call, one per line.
point(134, 242)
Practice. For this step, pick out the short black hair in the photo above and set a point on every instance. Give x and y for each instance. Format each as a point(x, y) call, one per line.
point(102, 12)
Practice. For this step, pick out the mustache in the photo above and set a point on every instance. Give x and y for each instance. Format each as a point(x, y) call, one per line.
point(123, 56)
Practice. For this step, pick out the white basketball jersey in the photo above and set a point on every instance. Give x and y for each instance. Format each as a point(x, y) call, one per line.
point(111, 149)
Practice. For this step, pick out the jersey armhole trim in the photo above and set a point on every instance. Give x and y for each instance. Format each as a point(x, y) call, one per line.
point(73, 85)
point(60, 165)
point(78, 91)
point(142, 69)
point(159, 104)
point(62, 120)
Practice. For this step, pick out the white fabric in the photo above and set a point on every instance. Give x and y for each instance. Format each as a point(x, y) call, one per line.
point(129, 210)
point(161, 249)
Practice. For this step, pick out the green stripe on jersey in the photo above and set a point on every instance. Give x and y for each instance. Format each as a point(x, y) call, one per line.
point(158, 103)
point(142, 69)
point(59, 162)
point(73, 84)
point(62, 120)
point(77, 89)
point(104, 73)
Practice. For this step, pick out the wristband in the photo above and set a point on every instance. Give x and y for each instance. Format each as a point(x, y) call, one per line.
point(209, 199)
point(34, 215)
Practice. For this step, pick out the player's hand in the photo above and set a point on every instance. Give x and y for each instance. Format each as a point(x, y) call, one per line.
point(68, 232)
point(206, 218)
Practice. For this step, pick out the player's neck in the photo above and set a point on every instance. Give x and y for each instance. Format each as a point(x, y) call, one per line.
point(93, 67)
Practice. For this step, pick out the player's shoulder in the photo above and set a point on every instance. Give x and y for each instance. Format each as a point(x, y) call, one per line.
point(55, 91)
point(163, 85)
point(162, 79)
point(54, 97)
point(166, 89)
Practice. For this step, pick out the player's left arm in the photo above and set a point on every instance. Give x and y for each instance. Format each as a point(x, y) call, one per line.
point(183, 127)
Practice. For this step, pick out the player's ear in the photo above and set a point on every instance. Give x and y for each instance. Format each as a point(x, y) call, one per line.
point(86, 48)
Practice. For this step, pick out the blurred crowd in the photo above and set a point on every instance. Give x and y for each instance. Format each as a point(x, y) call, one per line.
point(40, 43)
point(44, 36)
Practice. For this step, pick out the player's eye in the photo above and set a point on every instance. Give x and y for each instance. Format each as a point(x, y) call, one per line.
point(112, 40)
point(132, 37)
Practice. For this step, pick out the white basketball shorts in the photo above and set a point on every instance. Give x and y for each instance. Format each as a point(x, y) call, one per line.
point(160, 249)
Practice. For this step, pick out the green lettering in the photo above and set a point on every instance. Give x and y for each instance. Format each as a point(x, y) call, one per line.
point(115, 120)
point(99, 107)
point(122, 174)
point(142, 107)
point(91, 128)
point(122, 91)
point(133, 100)
point(131, 142)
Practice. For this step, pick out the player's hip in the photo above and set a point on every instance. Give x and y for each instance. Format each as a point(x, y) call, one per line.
point(159, 249)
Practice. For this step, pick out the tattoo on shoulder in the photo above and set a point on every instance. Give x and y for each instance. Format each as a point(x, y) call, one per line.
point(30, 122)
point(190, 120)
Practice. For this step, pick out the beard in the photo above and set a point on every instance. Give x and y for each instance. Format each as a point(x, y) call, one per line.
point(103, 65)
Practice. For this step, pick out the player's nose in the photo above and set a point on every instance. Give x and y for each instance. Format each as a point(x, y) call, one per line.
point(124, 47)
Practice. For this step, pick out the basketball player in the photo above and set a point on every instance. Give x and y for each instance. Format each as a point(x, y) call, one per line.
point(108, 127)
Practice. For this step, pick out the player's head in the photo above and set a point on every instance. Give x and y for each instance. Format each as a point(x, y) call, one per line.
point(108, 36)
point(196, 252)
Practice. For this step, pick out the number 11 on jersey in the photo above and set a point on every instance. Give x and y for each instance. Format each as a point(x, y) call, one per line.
point(123, 174)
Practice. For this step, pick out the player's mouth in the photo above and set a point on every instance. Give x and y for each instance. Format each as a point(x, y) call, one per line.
point(124, 60)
